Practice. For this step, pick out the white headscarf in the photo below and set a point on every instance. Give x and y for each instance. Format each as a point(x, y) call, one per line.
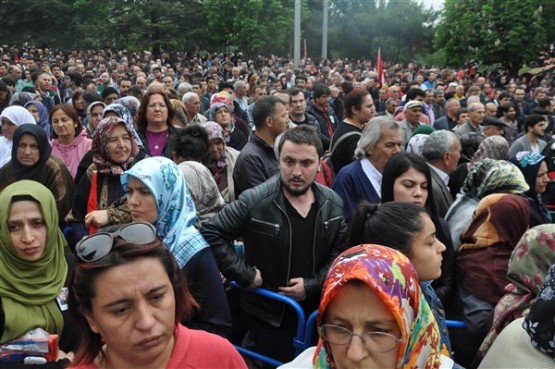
point(18, 115)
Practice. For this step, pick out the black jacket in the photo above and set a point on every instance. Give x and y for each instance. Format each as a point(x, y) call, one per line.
point(259, 216)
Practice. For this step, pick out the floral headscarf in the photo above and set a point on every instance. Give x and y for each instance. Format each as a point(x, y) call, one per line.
point(528, 266)
point(492, 147)
point(176, 210)
point(101, 158)
point(217, 167)
point(127, 117)
point(490, 176)
point(540, 322)
point(391, 276)
point(214, 107)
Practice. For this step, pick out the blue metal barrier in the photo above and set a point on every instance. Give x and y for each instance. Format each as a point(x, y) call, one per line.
point(455, 324)
point(298, 341)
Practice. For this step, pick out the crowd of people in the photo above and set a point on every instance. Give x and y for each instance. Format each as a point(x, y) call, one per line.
point(389, 203)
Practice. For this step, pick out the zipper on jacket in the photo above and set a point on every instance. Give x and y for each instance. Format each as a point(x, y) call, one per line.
point(289, 257)
point(273, 225)
point(326, 223)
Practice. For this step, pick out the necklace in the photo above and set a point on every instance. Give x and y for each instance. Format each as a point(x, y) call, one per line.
point(158, 138)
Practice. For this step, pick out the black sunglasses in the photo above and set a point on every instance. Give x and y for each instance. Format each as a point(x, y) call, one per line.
point(100, 244)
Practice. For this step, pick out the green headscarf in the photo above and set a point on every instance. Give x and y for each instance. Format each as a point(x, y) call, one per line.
point(489, 176)
point(28, 289)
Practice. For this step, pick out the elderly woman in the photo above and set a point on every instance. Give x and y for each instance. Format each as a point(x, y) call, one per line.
point(11, 118)
point(39, 112)
point(373, 315)
point(361, 179)
point(99, 198)
point(221, 160)
point(221, 114)
point(34, 268)
point(94, 116)
point(70, 142)
point(154, 123)
point(128, 321)
point(31, 160)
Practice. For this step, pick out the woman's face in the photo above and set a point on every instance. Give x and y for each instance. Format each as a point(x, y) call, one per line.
point(223, 118)
point(96, 115)
point(412, 187)
point(216, 149)
point(28, 151)
point(27, 229)
point(63, 125)
point(358, 309)
point(141, 202)
point(8, 128)
point(134, 315)
point(542, 180)
point(80, 104)
point(156, 110)
point(426, 249)
point(34, 112)
point(119, 145)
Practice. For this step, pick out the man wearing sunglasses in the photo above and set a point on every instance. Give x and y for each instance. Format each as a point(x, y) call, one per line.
point(293, 228)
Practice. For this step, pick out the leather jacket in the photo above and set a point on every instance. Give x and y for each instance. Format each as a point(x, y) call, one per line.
point(259, 216)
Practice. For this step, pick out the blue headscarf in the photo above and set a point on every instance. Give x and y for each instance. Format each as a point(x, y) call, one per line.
point(176, 210)
point(44, 121)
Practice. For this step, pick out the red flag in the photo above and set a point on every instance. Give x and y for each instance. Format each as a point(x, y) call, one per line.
point(379, 67)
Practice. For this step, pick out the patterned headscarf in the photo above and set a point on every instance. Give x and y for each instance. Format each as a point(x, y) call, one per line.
point(217, 167)
point(176, 210)
point(391, 276)
point(483, 258)
point(214, 107)
point(540, 322)
point(416, 143)
point(529, 264)
point(492, 147)
point(131, 103)
point(494, 176)
point(127, 117)
point(101, 158)
point(28, 289)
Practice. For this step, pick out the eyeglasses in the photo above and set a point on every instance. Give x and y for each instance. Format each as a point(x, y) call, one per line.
point(379, 342)
point(100, 244)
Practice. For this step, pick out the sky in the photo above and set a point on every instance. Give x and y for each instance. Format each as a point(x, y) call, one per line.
point(436, 4)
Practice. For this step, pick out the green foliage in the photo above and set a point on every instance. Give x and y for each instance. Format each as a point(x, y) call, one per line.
point(492, 31)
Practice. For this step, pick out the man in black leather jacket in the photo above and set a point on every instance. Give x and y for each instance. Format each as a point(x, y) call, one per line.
point(293, 228)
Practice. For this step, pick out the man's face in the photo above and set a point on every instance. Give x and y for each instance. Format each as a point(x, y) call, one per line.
point(298, 166)
point(193, 105)
point(389, 144)
point(301, 83)
point(258, 93)
point(298, 104)
point(510, 114)
point(476, 115)
point(322, 100)
point(56, 72)
point(168, 82)
point(391, 107)
point(124, 86)
point(453, 107)
point(429, 97)
point(491, 110)
point(519, 95)
point(141, 82)
point(412, 115)
point(210, 84)
point(453, 157)
point(44, 82)
point(459, 90)
point(538, 130)
point(279, 120)
point(105, 78)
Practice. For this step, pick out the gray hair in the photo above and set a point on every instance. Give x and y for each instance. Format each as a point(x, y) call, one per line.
point(438, 143)
point(238, 84)
point(474, 105)
point(452, 101)
point(185, 86)
point(188, 96)
point(372, 133)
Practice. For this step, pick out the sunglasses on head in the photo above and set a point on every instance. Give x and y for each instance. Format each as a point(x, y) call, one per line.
point(100, 244)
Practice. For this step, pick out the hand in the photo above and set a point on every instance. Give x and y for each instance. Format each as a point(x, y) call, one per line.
point(97, 218)
point(295, 289)
point(257, 279)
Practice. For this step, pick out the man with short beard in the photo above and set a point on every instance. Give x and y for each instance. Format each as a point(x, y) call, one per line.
point(292, 228)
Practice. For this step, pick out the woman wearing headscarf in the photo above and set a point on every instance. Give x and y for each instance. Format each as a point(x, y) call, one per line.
point(528, 267)
point(488, 176)
point(99, 198)
point(492, 147)
point(481, 267)
point(157, 194)
point(11, 118)
point(32, 278)
point(534, 169)
point(94, 115)
point(221, 160)
point(39, 112)
point(31, 159)
point(372, 292)
point(221, 113)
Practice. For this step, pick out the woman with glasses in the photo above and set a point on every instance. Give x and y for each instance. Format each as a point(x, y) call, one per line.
point(154, 123)
point(33, 268)
point(158, 194)
point(373, 315)
point(128, 300)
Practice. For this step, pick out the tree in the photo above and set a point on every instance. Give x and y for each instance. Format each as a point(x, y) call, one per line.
point(492, 31)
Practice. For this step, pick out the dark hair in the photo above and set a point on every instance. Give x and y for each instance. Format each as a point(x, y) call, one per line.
point(354, 99)
point(265, 107)
point(303, 134)
point(70, 112)
point(76, 77)
point(300, 77)
point(544, 103)
point(320, 90)
point(504, 108)
point(503, 95)
point(393, 224)
point(460, 112)
point(191, 142)
point(413, 93)
point(533, 119)
point(142, 123)
point(91, 96)
point(108, 91)
point(293, 91)
point(83, 289)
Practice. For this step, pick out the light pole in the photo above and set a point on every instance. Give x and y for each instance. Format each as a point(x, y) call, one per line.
point(325, 31)
point(297, 35)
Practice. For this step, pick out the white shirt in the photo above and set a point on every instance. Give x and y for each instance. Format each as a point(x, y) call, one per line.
point(444, 176)
point(373, 175)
